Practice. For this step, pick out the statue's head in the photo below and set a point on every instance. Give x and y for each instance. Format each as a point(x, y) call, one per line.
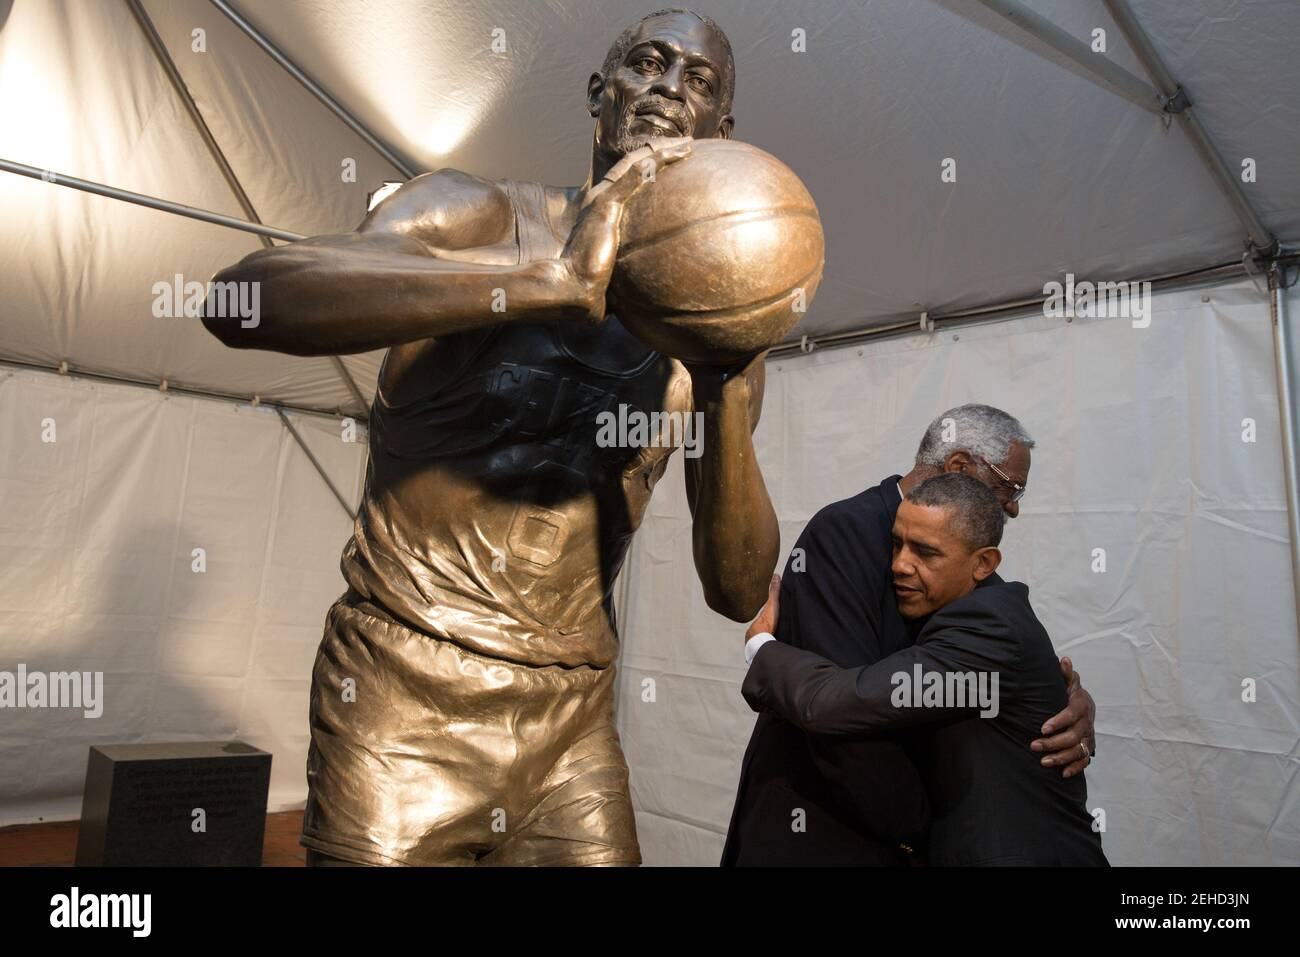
point(672, 74)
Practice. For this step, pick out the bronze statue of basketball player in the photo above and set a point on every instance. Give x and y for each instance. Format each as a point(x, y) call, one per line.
point(462, 698)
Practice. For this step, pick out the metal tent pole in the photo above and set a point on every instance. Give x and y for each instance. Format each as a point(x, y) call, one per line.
point(219, 157)
point(187, 100)
point(1284, 353)
point(346, 375)
point(316, 463)
point(152, 202)
point(1178, 104)
point(170, 388)
point(1001, 310)
point(315, 89)
point(1105, 71)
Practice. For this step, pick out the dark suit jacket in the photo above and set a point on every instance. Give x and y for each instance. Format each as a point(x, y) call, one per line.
point(859, 800)
point(991, 800)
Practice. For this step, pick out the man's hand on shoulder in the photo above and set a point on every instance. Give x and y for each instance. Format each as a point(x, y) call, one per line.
point(1069, 740)
point(769, 613)
point(765, 624)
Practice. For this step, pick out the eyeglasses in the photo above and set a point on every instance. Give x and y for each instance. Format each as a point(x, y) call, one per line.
point(1017, 490)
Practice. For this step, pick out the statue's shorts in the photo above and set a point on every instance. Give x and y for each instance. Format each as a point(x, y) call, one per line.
point(424, 753)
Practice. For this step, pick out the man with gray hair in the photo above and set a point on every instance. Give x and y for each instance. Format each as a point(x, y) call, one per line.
point(979, 680)
point(862, 802)
point(981, 441)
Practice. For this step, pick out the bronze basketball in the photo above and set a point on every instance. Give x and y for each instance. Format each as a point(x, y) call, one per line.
point(720, 256)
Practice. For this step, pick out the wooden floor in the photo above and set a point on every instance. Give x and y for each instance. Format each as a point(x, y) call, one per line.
point(55, 844)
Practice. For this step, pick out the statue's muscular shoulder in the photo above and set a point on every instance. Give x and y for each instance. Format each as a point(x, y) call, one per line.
point(446, 210)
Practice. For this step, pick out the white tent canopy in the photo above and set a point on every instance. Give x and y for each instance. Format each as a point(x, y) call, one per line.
point(1056, 173)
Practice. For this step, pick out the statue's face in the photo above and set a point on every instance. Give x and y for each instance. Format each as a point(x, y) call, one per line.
point(668, 84)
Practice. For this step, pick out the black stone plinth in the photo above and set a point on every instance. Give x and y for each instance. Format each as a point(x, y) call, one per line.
point(140, 802)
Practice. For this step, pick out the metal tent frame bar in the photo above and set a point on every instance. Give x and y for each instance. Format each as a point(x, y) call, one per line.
point(1178, 103)
point(320, 469)
point(151, 202)
point(1167, 98)
point(1218, 272)
point(1106, 72)
point(170, 388)
point(1285, 357)
point(316, 90)
point(219, 157)
point(187, 100)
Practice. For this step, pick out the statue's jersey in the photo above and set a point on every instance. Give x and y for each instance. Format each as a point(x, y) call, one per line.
point(491, 516)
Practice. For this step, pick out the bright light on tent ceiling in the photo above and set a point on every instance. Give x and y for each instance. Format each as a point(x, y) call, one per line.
point(448, 129)
point(37, 128)
point(435, 103)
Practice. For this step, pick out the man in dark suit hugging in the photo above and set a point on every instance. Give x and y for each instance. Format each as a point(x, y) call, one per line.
point(973, 690)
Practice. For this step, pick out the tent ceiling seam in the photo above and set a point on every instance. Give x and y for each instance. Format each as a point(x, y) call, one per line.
point(1105, 72)
point(315, 89)
point(1178, 103)
point(219, 157)
point(192, 108)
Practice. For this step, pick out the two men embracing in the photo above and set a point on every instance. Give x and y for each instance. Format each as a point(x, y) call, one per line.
point(911, 706)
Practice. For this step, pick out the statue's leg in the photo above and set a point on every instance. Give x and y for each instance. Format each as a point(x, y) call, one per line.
point(425, 753)
point(583, 810)
point(390, 781)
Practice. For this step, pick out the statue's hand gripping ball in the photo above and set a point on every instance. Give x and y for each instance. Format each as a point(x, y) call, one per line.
point(719, 257)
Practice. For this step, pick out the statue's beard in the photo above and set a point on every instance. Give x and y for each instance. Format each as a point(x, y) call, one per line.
point(625, 141)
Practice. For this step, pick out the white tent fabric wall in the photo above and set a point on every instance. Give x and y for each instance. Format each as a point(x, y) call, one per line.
point(99, 529)
point(1140, 452)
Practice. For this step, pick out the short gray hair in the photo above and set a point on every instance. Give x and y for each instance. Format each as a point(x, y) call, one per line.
point(980, 430)
point(974, 513)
